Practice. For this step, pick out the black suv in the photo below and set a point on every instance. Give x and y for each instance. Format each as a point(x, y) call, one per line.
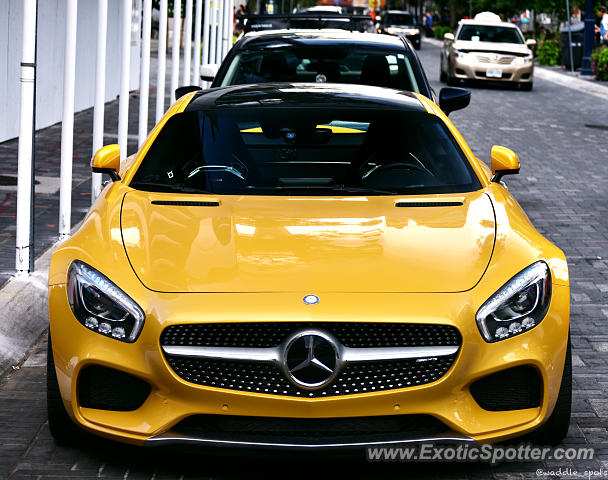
point(400, 23)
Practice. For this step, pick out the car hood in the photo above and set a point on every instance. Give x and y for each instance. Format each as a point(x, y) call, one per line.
point(515, 48)
point(307, 244)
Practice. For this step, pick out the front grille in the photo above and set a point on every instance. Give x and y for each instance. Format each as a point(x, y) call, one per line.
point(108, 389)
point(355, 378)
point(287, 430)
point(501, 60)
point(350, 334)
point(512, 389)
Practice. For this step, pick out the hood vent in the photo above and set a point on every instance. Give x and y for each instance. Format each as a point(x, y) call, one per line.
point(180, 203)
point(428, 204)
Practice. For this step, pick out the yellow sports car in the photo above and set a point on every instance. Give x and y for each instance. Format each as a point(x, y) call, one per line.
point(307, 266)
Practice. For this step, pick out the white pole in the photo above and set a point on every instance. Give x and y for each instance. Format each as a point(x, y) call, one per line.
point(26, 146)
point(198, 14)
point(100, 89)
point(226, 28)
point(206, 26)
point(231, 24)
point(162, 53)
point(220, 24)
point(67, 124)
point(213, 24)
point(125, 71)
point(187, 42)
point(177, 18)
point(144, 72)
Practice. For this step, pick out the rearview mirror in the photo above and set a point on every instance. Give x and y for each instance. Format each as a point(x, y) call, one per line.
point(448, 36)
point(107, 160)
point(504, 162)
point(208, 72)
point(452, 98)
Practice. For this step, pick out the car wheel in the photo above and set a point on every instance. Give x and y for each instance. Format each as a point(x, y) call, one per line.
point(63, 429)
point(553, 431)
point(526, 87)
point(451, 81)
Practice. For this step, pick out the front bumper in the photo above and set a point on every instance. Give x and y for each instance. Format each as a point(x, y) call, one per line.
point(470, 69)
point(173, 399)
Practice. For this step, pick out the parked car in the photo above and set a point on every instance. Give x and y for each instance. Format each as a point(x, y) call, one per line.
point(307, 266)
point(487, 49)
point(401, 23)
point(332, 56)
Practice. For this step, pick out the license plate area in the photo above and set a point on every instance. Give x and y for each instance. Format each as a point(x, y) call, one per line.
point(494, 73)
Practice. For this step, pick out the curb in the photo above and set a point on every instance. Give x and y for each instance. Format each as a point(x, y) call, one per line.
point(24, 303)
point(590, 87)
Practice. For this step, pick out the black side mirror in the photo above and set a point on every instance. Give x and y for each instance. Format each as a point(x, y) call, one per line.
point(181, 91)
point(452, 98)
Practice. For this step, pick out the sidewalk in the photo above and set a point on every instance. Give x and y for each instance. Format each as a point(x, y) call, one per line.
point(576, 81)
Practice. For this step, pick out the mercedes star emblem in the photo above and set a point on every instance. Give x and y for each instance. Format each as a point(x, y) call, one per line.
point(311, 359)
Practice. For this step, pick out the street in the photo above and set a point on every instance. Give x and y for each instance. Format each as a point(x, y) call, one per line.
point(561, 138)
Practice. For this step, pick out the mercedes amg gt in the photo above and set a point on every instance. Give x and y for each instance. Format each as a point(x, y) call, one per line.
point(310, 266)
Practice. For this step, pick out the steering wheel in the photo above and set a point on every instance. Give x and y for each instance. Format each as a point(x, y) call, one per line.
point(408, 166)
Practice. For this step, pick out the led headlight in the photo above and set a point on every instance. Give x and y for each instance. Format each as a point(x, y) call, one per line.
point(392, 30)
point(101, 306)
point(412, 31)
point(519, 305)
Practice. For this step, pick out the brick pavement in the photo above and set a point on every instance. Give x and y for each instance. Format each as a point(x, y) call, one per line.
point(563, 186)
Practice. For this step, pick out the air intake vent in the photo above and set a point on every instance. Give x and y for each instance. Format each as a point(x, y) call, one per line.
point(512, 389)
point(178, 203)
point(108, 389)
point(428, 204)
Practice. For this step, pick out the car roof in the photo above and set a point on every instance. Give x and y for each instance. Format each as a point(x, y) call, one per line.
point(307, 95)
point(322, 37)
point(487, 23)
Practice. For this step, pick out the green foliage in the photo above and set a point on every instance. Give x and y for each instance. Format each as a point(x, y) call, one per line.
point(439, 31)
point(548, 52)
point(599, 63)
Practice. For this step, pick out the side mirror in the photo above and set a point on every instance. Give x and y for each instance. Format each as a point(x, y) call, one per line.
point(107, 160)
point(448, 36)
point(531, 43)
point(181, 91)
point(208, 72)
point(504, 162)
point(452, 98)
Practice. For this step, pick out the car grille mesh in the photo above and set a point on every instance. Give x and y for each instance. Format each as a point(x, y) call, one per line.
point(284, 430)
point(354, 378)
point(350, 334)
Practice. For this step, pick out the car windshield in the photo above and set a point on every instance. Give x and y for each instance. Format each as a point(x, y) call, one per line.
point(399, 19)
point(335, 64)
point(305, 151)
point(489, 33)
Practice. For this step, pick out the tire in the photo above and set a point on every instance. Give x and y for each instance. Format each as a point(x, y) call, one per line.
point(63, 429)
point(526, 87)
point(553, 431)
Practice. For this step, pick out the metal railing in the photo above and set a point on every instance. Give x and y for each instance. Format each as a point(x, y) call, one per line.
point(215, 25)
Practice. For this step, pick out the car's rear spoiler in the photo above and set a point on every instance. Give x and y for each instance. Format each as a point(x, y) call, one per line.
point(309, 21)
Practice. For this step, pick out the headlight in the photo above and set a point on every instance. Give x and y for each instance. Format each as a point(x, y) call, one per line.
point(462, 56)
point(523, 60)
point(519, 305)
point(412, 31)
point(392, 30)
point(101, 306)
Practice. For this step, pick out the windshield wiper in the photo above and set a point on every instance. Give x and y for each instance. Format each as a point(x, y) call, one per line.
point(163, 187)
